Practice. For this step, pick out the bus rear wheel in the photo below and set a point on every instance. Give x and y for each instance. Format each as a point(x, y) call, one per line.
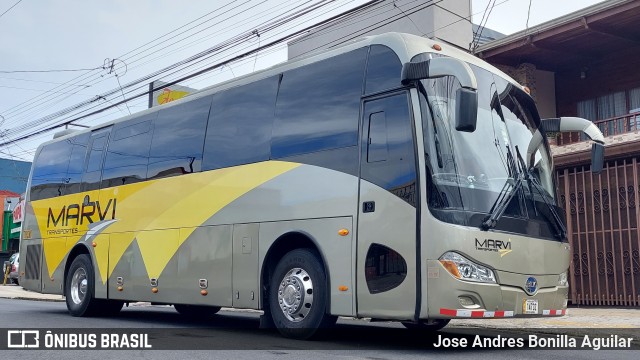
point(298, 295)
point(196, 310)
point(79, 288)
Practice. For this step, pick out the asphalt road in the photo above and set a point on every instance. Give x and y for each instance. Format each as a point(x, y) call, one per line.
point(236, 335)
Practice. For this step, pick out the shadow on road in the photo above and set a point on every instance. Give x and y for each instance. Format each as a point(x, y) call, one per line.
point(234, 330)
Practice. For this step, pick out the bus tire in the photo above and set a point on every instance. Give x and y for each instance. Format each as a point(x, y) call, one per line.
point(194, 311)
point(430, 325)
point(79, 288)
point(298, 295)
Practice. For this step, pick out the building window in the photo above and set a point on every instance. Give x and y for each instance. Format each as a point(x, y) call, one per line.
point(614, 107)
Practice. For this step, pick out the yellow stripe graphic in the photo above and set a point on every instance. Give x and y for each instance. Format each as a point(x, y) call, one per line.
point(146, 208)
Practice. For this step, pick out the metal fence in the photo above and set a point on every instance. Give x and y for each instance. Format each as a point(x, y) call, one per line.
point(602, 224)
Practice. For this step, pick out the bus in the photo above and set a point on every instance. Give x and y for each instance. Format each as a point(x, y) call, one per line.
point(392, 178)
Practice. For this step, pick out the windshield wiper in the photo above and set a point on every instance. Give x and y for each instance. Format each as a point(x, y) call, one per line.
point(509, 189)
point(531, 180)
point(512, 187)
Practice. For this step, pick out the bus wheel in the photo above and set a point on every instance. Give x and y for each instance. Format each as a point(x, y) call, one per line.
point(196, 310)
point(79, 287)
point(428, 325)
point(298, 295)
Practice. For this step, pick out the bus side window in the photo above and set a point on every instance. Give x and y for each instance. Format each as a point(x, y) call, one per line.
point(76, 163)
point(93, 168)
point(50, 170)
point(383, 70)
point(127, 154)
point(178, 139)
point(240, 125)
point(318, 106)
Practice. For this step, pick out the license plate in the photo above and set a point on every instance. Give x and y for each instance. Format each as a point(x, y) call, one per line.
point(530, 306)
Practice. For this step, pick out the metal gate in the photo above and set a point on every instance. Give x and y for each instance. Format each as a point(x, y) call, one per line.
point(602, 225)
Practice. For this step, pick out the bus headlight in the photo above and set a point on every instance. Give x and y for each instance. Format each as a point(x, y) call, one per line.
point(465, 269)
point(562, 279)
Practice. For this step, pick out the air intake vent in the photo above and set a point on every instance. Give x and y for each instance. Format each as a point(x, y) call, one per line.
point(32, 267)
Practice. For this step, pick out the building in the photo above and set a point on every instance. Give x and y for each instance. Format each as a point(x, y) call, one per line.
point(446, 20)
point(586, 64)
point(14, 175)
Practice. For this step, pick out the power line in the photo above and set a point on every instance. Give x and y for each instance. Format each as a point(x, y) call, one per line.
point(41, 90)
point(197, 73)
point(213, 50)
point(13, 110)
point(528, 14)
point(45, 71)
point(405, 15)
point(84, 77)
point(38, 81)
point(480, 27)
point(9, 9)
point(225, 63)
point(228, 61)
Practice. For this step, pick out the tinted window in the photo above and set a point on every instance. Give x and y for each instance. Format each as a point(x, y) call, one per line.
point(76, 164)
point(93, 168)
point(128, 152)
point(388, 146)
point(178, 139)
point(240, 125)
point(318, 106)
point(97, 150)
point(383, 69)
point(50, 170)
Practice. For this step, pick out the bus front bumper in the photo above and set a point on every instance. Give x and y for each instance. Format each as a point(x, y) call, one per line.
point(450, 298)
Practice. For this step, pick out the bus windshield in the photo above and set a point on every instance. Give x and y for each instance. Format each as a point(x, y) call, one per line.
point(468, 171)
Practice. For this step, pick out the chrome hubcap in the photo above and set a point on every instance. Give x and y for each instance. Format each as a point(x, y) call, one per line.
point(295, 294)
point(79, 286)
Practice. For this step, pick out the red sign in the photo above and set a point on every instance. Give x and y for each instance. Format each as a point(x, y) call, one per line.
point(18, 212)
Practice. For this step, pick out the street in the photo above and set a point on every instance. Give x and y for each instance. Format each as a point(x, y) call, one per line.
point(231, 331)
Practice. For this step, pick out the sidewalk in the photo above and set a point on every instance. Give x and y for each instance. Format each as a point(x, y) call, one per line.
point(17, 292)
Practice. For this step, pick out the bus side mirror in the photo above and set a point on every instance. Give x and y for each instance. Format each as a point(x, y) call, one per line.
point(567, 124)
point(597, 158)
point(466, 97)
point(466, 110)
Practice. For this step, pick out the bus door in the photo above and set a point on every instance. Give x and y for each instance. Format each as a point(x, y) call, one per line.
point(388, 200)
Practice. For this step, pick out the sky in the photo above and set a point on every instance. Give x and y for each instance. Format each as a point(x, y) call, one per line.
point(89, 34)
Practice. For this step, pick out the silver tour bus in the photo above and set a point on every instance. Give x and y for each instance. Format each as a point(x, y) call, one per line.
point(392, 178)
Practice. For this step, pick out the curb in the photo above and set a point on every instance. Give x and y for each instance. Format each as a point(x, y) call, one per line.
point(30, 298)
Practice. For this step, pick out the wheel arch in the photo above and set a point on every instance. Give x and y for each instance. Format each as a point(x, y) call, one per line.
point(78, 249)
point(285, 243)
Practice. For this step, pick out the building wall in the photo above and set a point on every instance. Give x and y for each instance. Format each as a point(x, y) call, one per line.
point(615, 73)
point(430, 21)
